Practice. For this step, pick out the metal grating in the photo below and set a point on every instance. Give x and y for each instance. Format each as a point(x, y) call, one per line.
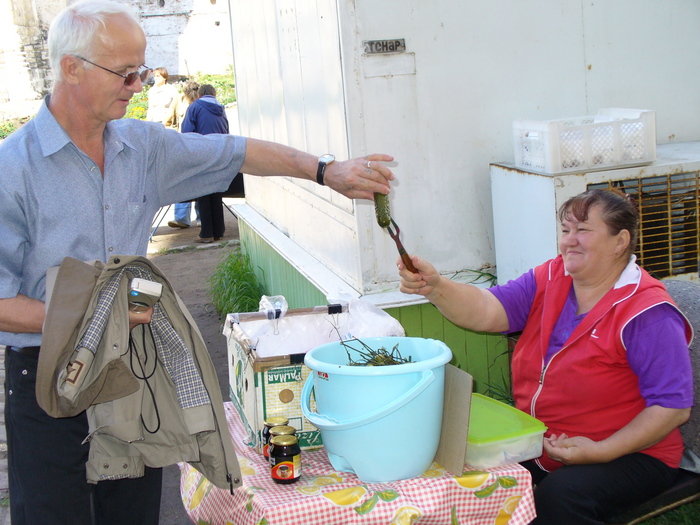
point(669, 229)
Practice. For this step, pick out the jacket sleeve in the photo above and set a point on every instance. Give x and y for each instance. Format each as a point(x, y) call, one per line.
point(189, 123)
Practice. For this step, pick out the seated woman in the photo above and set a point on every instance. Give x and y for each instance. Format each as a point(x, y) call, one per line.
point(602, 360)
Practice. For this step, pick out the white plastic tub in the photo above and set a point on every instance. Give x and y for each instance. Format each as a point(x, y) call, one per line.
point(500, 434)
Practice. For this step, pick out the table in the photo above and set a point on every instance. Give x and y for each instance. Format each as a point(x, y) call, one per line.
point(325, 497)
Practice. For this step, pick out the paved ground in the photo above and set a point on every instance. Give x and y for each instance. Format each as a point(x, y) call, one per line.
point(189, 270)
point(188, 266)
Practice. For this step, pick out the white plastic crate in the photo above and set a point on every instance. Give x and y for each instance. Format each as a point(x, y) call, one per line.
point(614, 137)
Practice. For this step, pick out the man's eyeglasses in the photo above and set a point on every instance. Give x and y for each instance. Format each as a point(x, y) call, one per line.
point(142, 72)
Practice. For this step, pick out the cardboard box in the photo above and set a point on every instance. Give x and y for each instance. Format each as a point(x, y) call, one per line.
point(455, 420)
point(261, 388)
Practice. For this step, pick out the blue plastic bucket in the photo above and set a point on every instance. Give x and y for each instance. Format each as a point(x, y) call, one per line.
point(380, 422)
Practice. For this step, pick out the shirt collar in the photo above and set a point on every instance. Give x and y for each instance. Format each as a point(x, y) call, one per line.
point(630, 275)
point(52, 136)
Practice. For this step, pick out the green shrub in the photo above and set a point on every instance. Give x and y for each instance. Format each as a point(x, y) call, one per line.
point(234, 285)
point(225, 93)
point(138, 105)
point(9, 126)
point(225, 85)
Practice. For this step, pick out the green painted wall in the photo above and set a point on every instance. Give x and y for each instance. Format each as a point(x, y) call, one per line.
point(484, 356)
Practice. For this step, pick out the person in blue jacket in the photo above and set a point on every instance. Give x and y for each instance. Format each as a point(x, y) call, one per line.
point(204, 116)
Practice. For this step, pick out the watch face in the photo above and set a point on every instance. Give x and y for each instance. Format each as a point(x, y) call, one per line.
point(326, 158)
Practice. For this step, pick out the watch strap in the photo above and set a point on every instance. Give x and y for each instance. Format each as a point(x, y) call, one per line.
point(320, 171)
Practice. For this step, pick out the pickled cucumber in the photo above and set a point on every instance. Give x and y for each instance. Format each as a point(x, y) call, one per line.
point(381, 208)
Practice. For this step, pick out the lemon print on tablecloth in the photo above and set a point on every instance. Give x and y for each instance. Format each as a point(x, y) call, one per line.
point(472, 479)
point(388, 495)
point(507, 510)
point(190, 481)
point(406, 516)
point(348, 496)
point(309, 490)
point(434, 471)
point(203, 488)
point(245, 467)
point(314, 487)
point(367, 505)
point(329, 479)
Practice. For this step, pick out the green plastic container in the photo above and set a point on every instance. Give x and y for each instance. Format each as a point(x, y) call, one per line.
point(500, 434)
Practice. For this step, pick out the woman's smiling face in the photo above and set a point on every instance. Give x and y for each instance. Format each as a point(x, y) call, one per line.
point(588, 247)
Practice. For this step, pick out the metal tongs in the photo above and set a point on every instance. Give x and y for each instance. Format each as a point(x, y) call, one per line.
point(405, 258)
point(383, 212)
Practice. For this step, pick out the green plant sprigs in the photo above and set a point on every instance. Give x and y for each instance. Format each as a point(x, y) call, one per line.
point(371, 357)
point(235, 286)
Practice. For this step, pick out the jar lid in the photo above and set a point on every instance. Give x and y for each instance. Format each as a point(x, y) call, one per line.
point(276, 421)
point(282, 430)
point(284, 441)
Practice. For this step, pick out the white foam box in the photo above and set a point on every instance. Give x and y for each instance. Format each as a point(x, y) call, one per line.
point(614, 137)
point(266, 356)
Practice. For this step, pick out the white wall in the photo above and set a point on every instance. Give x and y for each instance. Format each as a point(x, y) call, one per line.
point(184, 36)
point(445, 107)
point(187, 36)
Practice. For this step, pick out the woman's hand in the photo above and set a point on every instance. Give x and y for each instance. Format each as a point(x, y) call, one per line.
point(421, 283)
point(573, 451)
point(463, 304)
point(648, 427)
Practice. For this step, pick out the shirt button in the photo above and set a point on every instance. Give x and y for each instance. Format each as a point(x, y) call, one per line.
point(106, 206)
point(110, 249)
point(24, 372)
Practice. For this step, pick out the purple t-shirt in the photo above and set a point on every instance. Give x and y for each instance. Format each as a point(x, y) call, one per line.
point(655, 340)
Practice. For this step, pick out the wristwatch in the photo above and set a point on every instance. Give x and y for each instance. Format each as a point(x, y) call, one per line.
point(323, 161)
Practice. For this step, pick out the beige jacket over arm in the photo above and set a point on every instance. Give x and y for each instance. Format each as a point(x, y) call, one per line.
point(163, 419)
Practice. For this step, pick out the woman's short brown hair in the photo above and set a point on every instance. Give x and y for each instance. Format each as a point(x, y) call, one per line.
point(618, 211)
point(162, 72)
point(207, 89)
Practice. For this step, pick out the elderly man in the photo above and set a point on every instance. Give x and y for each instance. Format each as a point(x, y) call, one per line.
point(79, 182)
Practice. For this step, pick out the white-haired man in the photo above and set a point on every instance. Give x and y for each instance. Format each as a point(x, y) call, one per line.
point(77, 155)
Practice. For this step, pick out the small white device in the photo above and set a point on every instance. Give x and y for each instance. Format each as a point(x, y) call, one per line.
point(143, 294)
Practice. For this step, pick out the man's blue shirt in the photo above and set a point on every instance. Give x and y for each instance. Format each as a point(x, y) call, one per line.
point(55, 203)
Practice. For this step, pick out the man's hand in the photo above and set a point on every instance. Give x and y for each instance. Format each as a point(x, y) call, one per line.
point(360, 178)
point(139, 316)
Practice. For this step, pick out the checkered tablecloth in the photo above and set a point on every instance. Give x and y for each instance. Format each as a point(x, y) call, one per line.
point(325, 497)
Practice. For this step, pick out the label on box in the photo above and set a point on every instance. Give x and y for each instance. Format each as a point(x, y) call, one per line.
point(259, 392)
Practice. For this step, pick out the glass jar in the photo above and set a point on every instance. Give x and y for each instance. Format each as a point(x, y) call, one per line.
point(270, 422)
point(285, 459)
